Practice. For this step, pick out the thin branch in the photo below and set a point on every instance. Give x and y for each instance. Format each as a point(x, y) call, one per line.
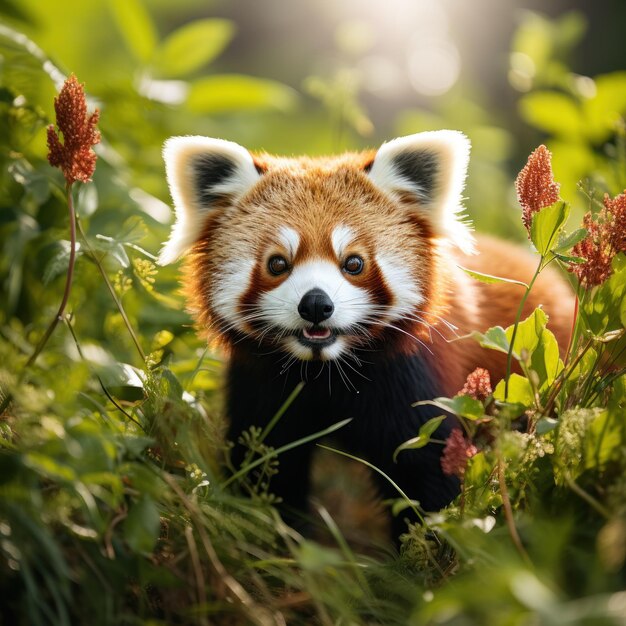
point(68, 280)
point(587, 497)
point(118, 302)
point(508, 512)
point(198, 574)
point(520, 309)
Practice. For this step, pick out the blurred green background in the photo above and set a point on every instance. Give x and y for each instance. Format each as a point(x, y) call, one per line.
point(108, 451)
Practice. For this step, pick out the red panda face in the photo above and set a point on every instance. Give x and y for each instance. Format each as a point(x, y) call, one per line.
point(315, 258)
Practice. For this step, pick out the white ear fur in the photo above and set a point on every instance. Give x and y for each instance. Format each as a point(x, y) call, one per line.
point(201, 170)
point(432, 167)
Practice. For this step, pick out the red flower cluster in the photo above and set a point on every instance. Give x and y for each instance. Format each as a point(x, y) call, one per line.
point(607, 237)
point(477, 385)
point(75, 156)
point(535, 185)
point(455, 454)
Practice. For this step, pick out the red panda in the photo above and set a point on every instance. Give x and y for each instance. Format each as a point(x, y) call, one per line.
point(344, 272)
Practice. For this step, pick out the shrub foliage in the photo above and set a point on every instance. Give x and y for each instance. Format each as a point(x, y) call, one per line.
point(117, 502)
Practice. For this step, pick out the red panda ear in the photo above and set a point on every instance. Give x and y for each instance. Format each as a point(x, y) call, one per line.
point(202, 173)
point(431, 168)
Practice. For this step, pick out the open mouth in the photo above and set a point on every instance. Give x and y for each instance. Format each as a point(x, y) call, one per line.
point(316, 336)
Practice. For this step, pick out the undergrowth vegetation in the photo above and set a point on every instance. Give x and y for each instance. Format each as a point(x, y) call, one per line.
point(117, 502)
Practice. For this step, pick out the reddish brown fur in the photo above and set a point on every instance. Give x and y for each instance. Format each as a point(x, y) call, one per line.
point(497, 304)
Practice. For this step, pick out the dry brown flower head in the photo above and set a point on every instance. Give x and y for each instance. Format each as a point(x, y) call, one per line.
point(477, 385)
point(75, 155)
point(456, 453)
point(535, 185)
point(606, 238)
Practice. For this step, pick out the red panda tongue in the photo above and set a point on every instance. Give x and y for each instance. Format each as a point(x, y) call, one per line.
point(316, 333)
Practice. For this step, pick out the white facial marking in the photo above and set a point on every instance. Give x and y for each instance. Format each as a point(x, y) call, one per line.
point(350, 302)
point(290, 239)
point(305, 353)
point(398, 278)
point(233, 283)
point(341, 238)
point(334, 350)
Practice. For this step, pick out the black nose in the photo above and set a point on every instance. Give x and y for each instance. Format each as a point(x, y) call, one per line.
point(315, 306)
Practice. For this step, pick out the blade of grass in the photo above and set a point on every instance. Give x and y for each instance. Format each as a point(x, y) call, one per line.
point(294, 444)
point(379, 471)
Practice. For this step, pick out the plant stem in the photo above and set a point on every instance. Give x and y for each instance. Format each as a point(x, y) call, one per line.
point(572, 336)
point(68, 280)
point(508, 511)
point(509, 356)
point(6, 401)
point(102, 385)
point(111, 289)
point(562, 377)
point(587, 497)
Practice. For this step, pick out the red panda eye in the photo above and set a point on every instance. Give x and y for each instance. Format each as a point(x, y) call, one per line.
point(353, 264)
point(277, 265)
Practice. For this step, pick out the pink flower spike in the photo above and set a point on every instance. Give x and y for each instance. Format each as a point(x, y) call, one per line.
point(75, 155)
point(535, 185)
point(456, 453)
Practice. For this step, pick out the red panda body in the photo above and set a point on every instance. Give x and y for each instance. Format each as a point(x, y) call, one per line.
point(343, 272)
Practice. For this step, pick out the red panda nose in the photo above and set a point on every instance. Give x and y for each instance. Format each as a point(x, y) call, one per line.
point(315, 306)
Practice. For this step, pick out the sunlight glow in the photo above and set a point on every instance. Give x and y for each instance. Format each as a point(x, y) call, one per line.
point(412, 41)
point(434, 66)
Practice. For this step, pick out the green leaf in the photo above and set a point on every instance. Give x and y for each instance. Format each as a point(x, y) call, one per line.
point(520, 391)
point(122, 380)
point(87, 200)
point(462, 405)
point(607, 107)
point(133, 230)
point(49, 467)
point(569, 259)
point(490, 279)
point(546, 425)
point(603, 441)
point(567, 242)
point(547, 225)
point(142, 526)
point(402, 504)
point(545, 361)
point(510, 410)
point(313, 557)
point(538, 346)
point(60, 262)
point(423, 438)
point(170, 386)
point(192, 46)
point(136, 26)
point(602, 312)
point(114, 249)
point(528, 334)
point(553, 112)
point(235, 92)
point(494, 339)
